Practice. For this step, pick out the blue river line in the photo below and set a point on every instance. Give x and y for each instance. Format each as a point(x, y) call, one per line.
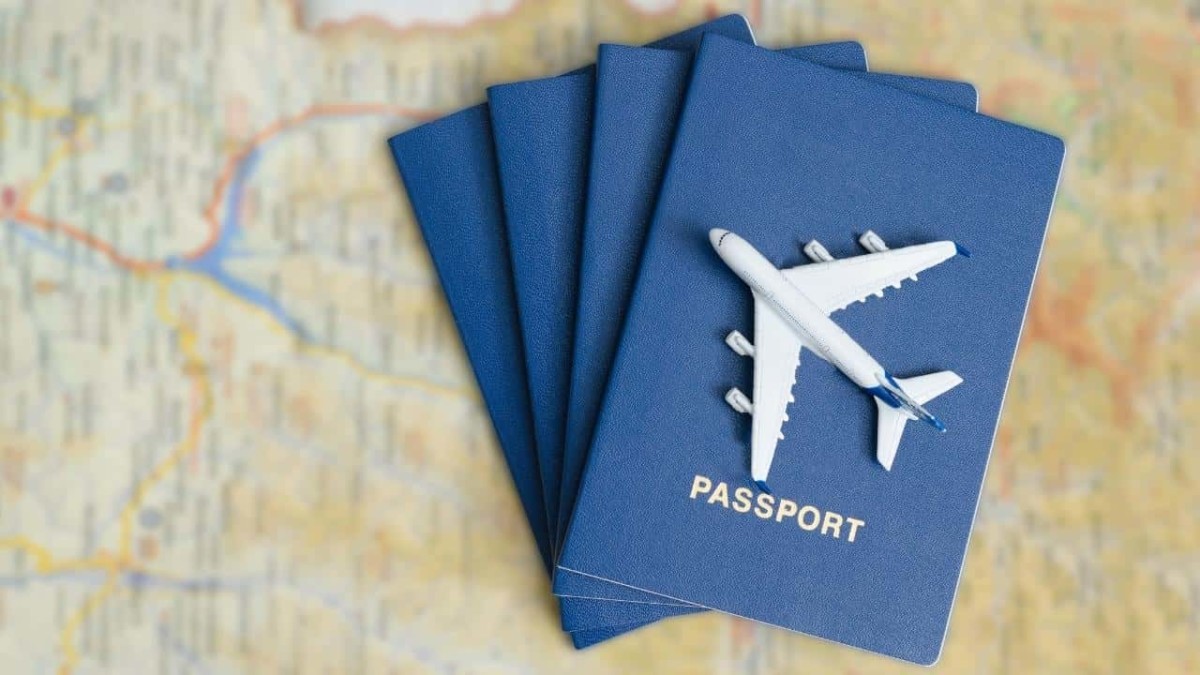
point(213, 263)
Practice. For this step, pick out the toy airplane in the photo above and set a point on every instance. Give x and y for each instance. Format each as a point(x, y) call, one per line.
point(791, 312)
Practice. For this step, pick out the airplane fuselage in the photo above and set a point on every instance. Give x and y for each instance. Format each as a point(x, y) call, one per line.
point(817, 331)
point(799, 301)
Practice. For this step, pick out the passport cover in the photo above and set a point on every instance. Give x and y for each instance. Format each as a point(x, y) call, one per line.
point(440, 163)
point(448, 167)
point(638, 95)
point(782, 151)
point(542, 131)
point(536, 131)
point(448, 170)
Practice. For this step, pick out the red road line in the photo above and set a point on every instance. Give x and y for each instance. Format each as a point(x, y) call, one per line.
point(211, 212)
point(269, 132)
point(87, 239)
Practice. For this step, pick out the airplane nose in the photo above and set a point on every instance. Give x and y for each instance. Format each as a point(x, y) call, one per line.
point(715, 235)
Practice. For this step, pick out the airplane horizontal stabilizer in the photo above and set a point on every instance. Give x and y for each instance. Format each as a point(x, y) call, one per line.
point(892, 420)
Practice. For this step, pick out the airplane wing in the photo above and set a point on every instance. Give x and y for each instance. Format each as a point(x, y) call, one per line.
point(776, 357)
point(835, 284)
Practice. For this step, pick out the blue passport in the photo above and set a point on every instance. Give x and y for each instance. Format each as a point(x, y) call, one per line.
point(638, 95)
point(542, 131)
point(534, 131)
point(448, 168)
point(783, 151)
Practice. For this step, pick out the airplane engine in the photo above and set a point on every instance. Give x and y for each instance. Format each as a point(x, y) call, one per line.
point(816, 252)
point(739, 401)
point(872, 242)
point(738, 343)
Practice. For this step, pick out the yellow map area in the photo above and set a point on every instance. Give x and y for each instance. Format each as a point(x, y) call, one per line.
point(237, 432)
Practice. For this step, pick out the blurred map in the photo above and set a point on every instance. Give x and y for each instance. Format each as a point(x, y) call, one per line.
point(238, 435)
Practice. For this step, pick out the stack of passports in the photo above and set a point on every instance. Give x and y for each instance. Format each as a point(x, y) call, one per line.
point(568, 220)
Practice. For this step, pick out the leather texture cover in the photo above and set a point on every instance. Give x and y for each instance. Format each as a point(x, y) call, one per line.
point(782, 151)
point(448, 170)
point(542, 131)
point(448, 167)
point(638, 95)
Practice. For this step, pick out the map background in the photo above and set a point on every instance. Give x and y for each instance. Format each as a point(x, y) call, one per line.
point(238, 434)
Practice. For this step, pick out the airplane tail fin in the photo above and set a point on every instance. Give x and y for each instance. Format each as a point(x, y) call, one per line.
point(892, 418)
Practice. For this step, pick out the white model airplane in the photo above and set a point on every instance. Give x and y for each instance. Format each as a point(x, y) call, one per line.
point(791, 312)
